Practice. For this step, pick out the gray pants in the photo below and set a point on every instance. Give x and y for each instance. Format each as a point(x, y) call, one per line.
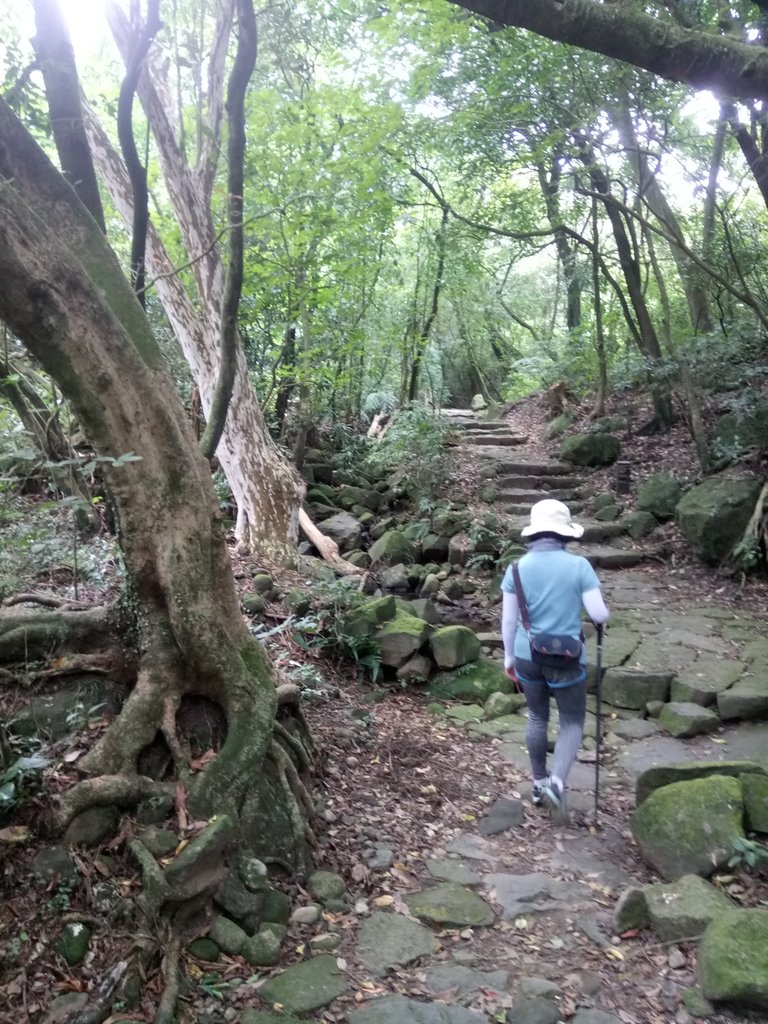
point(572, 708)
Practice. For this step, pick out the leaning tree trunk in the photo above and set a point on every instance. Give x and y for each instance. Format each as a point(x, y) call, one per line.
point(267, 491)
point(66, 298)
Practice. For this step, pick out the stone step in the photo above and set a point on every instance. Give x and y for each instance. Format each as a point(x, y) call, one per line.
point(605, 557)
point(484, 425)
point(525, 467)
point(523, 508)
point(530, 495)
point(501, 440)
point(540, 481)
point(595, 532)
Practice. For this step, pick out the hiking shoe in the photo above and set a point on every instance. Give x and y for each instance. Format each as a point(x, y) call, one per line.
point(554, 799)
point(537, 795)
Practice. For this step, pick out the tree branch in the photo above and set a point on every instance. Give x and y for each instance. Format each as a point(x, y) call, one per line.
point(245, 61)
point(694, 57)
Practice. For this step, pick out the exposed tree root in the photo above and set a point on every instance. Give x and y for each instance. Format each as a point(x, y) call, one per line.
point(295, 745)
point(121, 790)
point(166, 1010)
point(47, 600)
point(300, 830)
point(28, 635)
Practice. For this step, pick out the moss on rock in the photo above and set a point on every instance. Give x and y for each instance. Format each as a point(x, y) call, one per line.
point(733, 959)
point(690, 827)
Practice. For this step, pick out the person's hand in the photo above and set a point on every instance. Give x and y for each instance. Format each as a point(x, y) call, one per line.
point(509, 670)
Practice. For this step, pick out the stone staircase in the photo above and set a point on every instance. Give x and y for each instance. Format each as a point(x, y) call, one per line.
point(517, 483)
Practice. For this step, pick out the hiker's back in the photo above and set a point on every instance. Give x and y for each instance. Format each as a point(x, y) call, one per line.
point(553, 582)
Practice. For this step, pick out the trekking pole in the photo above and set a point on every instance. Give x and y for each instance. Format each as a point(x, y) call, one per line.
point(599, 673)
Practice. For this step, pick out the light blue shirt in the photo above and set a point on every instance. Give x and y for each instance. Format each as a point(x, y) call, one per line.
point(553, 582)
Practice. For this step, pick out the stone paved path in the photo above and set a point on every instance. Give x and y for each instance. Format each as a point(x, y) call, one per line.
point(492, 940)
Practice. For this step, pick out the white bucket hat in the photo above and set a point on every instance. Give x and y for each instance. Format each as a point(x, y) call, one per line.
point(550, 516)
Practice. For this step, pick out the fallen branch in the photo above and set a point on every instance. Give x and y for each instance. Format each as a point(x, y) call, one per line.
point(329, 549)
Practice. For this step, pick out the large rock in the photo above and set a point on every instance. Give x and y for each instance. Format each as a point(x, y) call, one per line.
point(591, 449)
point(392, 548)
point(713, 515)
point(683, 718)
point(733, 959)
point(392, 940)
point(344, 529)
point(702, 682)
point(365, 620)
point(755, 791)
point(690, 827)
point(401, 638)
point(306, 986)
point(454, 646)
point(633, 688)
point(450, 906)
point(665, 774)
point(748, 698)
point(434, 548)
point(639, 524)
point(475, 683)
point(659, 494)
point(673, 910)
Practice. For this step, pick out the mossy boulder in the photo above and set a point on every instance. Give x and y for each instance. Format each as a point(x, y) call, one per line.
point(684, 718)
point(659, 494)
point(499, 705)
point(733, 959)
point(558, 425)
point(474, 683)
point(608, 424)
point(690, 827)
point(401, 638)
point(713, 515)
point(392, 548)
point(454, 646)
point(639, 524)
point(686, 771)
point(365, 620)
point(673, 910)
point(755, 790)
point(448, 522)
point(591, 449)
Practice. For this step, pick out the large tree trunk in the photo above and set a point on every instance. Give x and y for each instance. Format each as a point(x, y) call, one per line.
point(647, 337)
point(66, 298)
point(652, 194)
point(267, 490)
point(550, 190)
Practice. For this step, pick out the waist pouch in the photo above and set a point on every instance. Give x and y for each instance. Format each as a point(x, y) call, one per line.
point(555, 651)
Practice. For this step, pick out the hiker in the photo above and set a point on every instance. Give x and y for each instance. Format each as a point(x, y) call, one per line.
point(543, 648)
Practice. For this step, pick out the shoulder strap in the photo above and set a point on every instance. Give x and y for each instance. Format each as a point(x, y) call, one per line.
point(521, 602)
